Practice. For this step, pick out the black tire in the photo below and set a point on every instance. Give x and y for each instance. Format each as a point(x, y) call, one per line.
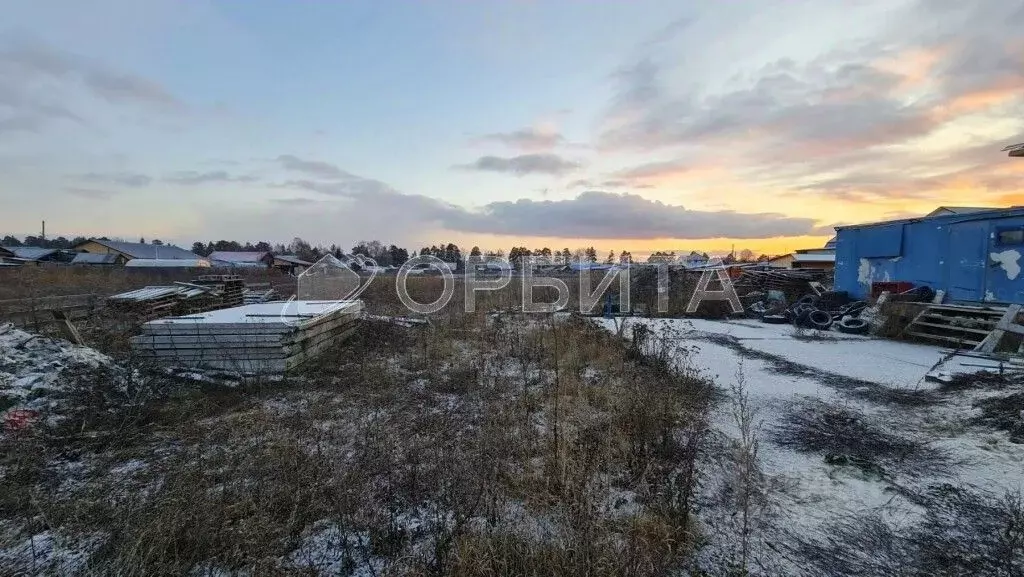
point(775, 319)
point(802, 316)
point(833, 300)
point(800, 309)
point(812, 300)
point(820, 320)
point(852, 326)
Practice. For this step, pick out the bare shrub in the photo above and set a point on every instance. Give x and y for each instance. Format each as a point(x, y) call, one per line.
point(964, 531)
point(1005, 413)
point(847, 437)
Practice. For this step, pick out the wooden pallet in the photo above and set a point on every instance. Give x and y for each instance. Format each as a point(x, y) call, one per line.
point(965, 327)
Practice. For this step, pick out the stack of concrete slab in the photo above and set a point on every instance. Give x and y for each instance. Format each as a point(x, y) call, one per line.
point(254, 338)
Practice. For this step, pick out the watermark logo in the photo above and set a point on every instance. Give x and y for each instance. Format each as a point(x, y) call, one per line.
point(328, 285)
point(332, 283)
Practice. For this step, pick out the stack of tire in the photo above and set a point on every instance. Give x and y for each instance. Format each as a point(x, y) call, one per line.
point(830, 309)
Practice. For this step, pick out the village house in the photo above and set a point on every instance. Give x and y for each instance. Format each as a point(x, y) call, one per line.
point(97, 259)
point(131, 251)
point(290, 264)
point(241, 259)
point(823, 258)
point(6, 258)
point(30, 255)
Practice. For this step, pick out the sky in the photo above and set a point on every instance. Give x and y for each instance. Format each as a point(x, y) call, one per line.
point(635, 125)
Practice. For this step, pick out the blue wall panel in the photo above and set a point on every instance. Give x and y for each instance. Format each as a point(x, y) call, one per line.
point(957, 253)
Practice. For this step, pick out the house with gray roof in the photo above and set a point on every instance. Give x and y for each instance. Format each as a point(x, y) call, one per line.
point(33, 255)
point(241, 259)
point(96, 259)
point(135, 250)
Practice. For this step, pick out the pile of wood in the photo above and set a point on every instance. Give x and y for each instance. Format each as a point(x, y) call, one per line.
point(265, 338)
point(258, 293)
point(793, 283)
point(206, 293)
point(151, 302)
point(231, 287)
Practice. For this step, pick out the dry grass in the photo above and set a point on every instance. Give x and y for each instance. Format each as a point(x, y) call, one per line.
point(45, 281)
point(477, 446)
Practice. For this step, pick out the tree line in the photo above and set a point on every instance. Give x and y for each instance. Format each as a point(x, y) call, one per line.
point(393, 255)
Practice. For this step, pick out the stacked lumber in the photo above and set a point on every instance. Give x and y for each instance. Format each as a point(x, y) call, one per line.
point(258, 293)
point(206, 293)
point(231, 287)
point(793, 283)
point(257, 338)
point(150, 302)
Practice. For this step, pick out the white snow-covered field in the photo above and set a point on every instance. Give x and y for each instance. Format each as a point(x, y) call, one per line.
point(783, 369)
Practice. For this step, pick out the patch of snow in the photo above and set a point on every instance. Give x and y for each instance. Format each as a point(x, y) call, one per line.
point(129, 468)
point(35, 369)
point(48, 553)
point(807, 494)
point(329, 549)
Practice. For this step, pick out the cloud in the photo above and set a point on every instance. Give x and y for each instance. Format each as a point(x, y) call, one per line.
point(527, 138)
point(354, 187)
point(661, 169)
point(192, 178)
point(118, 87)
point(596, 214)
point(849, 121)
point(38, 85)
point(131, 179)
point(524, 164)
point(297, 201)
point(89, 193)
point(591, 214)
point(21, 123)
point(825, 104)
point(607, 184)
point(314, 168)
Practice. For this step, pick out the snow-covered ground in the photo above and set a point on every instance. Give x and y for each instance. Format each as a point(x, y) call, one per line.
point(35, 370)
point(880, 382)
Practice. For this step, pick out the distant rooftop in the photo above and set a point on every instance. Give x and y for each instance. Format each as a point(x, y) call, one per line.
point(92, 258)
point(944, 210)
point(194, 262)
point(142, 250)
point(814, 257)
point(30, 252)
point(238, 256)
point(290, 258)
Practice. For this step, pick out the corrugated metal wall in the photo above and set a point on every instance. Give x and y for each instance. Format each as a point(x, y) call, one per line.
point(962, 255)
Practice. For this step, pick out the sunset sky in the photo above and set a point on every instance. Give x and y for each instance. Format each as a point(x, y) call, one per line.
point(640, 125)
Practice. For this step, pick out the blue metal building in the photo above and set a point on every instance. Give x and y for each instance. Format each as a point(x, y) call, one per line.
point(973, 257)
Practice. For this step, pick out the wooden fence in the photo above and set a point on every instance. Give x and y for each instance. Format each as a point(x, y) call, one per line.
point(38, 312)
